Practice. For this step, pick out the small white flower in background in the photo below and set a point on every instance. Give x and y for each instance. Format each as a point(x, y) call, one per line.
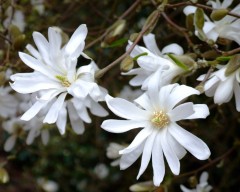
point(160, 134)
point(154, 62)
point(129, 94)
point(101, 170)
point(18, 19)
point(47, 185)
point(113, 152)
point(203, 185)
point(222, 87)
point(228, 27)
point(38, 5)
point(8, 103)
point(56, 75)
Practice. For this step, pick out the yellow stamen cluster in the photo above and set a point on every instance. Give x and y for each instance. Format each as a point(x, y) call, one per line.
point(64, 81)
point(160, 119)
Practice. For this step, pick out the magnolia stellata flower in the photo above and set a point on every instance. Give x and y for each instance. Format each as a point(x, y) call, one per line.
point(113, 152)
point(228, 27)
point(56, 75)
point(203, 185)
point(8, 103)
point(222, 87)
point(160, 134)
point(154, 62)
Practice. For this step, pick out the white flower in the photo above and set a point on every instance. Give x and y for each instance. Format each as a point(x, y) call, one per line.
point(56, 75)
point(113, 152)
point(101, 170)
point(228, 27)
point(8, 103)
point(47, 185)
point(201, 187)
point(129, 94)
point(222, 87)
point(160, 134)
point(38, 5)
point(154, 62)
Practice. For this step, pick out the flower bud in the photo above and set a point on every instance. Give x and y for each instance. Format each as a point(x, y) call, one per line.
point(218, 14)
point(133, 37)
point(18, 42)
point(233, 65)
point(4, 176)
point(143, 186)
point(127, 64)
point(149, 20)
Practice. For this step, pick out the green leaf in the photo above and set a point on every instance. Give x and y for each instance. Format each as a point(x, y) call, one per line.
point(223, 58)
point(142, 54)
point(233, 65)
point(178, 62)
point(117, 43)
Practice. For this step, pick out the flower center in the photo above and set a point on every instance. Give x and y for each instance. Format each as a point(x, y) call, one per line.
point(64, 81)
point(160, 119)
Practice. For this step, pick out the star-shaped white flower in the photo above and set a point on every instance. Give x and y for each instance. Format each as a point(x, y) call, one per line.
point(56, 75)
point(202, 186)
point(154, 62)
point(228, 27)
point(222, 86)
point(160, 134)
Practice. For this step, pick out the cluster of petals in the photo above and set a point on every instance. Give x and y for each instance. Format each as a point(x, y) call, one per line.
point(202, 186)
point(222, 87)
point(157, 111)
point(56, 75)
point(154, 62)
point(228, 27)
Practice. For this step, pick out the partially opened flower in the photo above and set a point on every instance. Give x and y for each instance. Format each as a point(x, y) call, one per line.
point(154, 62)
point(202, 186)
point(113, 152)
point(221, 86)
point(56, 75)
point(161, 135)
point(228, 27)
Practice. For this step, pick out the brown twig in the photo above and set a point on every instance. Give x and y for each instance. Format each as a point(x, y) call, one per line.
point(227, 53)
point(208, 164)
point(101, 72)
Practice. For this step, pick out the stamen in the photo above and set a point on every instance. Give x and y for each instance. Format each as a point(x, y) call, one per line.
point(160, 119)
point(64, 81)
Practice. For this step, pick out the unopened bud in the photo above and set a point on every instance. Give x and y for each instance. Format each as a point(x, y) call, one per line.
point(127, 64)
point(114, 32)
point(233, 65)
point(133, 36)
point(14, 31)
point(193, 181)
point(187, 60)
point(4, 176)
point(18, 42)
point(218, 14)
point(143, 186)
point(149, 21)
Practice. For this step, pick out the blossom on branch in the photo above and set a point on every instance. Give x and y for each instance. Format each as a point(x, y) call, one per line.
point(157, 113)
point(151, 60)
point(56, 75)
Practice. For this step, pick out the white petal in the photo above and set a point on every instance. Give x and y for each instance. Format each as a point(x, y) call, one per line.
point(189, 10)
point(158, 161)
point(37, 65)
point(170, 155)
point(164, 95)
point(10, 142)
point(179, 93)
point(76, 43)
point(30, 113)
point(177, 148)
point(33, 51)
point(192, 143)
point(62, 120)
point(237, 95)
point(200, 111)
point(224, 90)
point(128, 159)
point(125, 109)
point(144, 102)
point(173, 48)
point(45, 136)
point(147, 151)
point(203, 177)
point(42, 44)
point(184, 189)
point(54, 110)
point(120, 126)
point(76, 122)
point(181, 111)
point(150, 42)
point(32, 135)
point(97, 109)
point(55, 42)
point(140, 138)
